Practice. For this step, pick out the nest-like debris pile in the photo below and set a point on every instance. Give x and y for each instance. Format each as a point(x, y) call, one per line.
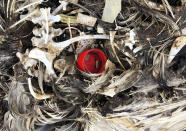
point(143, 84)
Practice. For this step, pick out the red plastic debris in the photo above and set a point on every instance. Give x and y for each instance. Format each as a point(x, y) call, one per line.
point(92, 61)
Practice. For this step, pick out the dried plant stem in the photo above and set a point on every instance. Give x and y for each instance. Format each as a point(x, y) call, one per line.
point(112, 45)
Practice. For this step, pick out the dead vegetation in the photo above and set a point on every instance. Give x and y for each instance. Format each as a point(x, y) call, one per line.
point(143, 85)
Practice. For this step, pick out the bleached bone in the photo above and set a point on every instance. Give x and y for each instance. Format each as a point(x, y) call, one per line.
point(61, 45)
point(37, 95)
point(45, 17)
point(41, 35)
point(45, 57)
point(28, 63)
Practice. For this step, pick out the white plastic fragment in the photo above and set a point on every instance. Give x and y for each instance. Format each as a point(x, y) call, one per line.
point(131, 41)
point(62, 6)
point(45, 57)
point(86, 20)
point(177, 45)
point(183, 31)
point(100, 29)
point(111, 10)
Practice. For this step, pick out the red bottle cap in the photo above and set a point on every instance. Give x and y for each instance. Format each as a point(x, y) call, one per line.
point(92, 61)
